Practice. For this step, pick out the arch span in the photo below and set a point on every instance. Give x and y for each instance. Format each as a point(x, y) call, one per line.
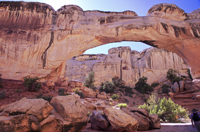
point(36, 40)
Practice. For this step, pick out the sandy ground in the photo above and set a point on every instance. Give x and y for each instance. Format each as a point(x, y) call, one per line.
point(175, 127)
point(166, 127)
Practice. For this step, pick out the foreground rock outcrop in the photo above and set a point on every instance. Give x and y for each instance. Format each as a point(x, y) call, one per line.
point(66, 113)
point(126, 64)
point(36, 40)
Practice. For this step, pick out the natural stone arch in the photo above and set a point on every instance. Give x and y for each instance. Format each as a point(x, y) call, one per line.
point(36, 40)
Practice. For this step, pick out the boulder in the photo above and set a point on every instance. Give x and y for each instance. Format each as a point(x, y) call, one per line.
point(50, 124)
point(98, 121)
point(155, 121)
point(89, 93)
point(19, 123)
point(72, 113)
point(146, 121)
point(141, 115)
point(175, 87)
point(39, 108)
point(119, 120)
point(181, 85)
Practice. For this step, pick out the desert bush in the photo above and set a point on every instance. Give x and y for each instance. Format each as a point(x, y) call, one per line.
point(76, 90)
point(154, 84)
point(165, 88)
point(61, 91)
point(122, 105)
point(80, 93)
point(118, 82)
point(107, 87)
point(172, 76)
point(142, 86)
point(2, 95)
point(165, 108)
point(89, 81)
point(46, 97)
point(115, 96)
point(32, 84)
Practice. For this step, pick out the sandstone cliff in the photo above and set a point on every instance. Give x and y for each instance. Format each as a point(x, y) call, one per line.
point(36, 40)
point(126, 64)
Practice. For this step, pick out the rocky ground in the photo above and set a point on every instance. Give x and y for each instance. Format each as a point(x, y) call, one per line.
point(93, 100)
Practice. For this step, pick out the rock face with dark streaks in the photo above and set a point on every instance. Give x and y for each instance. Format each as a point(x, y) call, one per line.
point(36, 40)
point(128, 65)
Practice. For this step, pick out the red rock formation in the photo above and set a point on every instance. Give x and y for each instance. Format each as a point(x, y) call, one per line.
point(35, 40)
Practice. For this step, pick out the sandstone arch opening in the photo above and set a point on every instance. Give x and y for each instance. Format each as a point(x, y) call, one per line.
point(103, 49)
point(125, 63)
point(38, 40)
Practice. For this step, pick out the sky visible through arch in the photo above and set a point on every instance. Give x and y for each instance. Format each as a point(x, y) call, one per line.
point(141, 7)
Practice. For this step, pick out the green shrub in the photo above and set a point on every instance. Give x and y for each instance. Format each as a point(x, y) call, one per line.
point(165, 88)
point(18, 91)
point(80, 93)
point(2, 95)
point(115, 96)
point(47, 97)
point(122, 105)
point(166, 109)
point(1, 82)
point(61, 91)
point(89, 81)
point(154, 84)
point(172, 76)
point(118, 82)
point(107, 87)
point(32, 84)
point(142, 86)
point(76, 90)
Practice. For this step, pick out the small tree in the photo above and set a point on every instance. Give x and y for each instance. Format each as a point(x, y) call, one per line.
point(89, 81)
point(172, 76)
point(166, 109)
point(32, 84)
point(142, 86)
point(107, 87)
point(118, 82)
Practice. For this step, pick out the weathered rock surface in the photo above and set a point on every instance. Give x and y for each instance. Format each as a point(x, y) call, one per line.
point(19, 123)
point(67, 113)
point(36, 107)
point(145, 120)
point(126, 64)
point(71, 112)
point(119, 120)
point(25, 115)
point(36, 40)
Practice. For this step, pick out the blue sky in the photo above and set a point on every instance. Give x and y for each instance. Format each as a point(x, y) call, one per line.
point(141, 7)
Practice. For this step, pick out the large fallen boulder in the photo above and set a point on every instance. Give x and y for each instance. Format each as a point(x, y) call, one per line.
point(36, 107)
point(24, 115)
point(98, 121)
point(71, 113)
point(119, 120)
point(145, 120)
